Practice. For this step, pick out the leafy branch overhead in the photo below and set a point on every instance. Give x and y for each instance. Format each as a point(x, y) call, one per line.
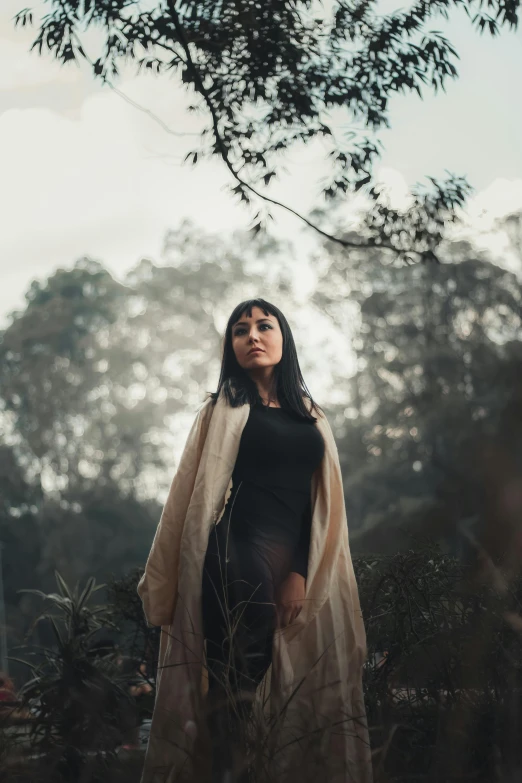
point(270, 74)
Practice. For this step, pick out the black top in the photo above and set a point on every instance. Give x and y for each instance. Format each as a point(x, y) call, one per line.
point(271, 482)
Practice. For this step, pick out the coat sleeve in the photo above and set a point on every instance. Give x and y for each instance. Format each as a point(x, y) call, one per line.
point(158, 586)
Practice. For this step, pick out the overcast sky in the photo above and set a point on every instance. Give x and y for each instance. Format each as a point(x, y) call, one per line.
point(85, 173)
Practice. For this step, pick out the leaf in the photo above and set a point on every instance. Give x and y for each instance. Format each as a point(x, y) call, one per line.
point(62, 585)
point(61, 602)
point(364, 181)
point(20, 660)
point(34, 592)
point(86, 594)
point(98, 587)
point(30, 683)
point(56, 630)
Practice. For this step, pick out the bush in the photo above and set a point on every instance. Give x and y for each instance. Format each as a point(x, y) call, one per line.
point(442, 681)
point(442, 678)
point(78, 695)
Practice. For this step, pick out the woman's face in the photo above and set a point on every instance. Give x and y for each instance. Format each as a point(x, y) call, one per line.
point(259, 331)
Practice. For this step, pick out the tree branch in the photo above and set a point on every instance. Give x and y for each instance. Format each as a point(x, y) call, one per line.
point(198, 82)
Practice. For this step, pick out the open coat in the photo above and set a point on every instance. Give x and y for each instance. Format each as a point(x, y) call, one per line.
point(321, 653)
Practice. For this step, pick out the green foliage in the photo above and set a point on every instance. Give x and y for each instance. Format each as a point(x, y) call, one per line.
point(442, 677)
point(79, 700)
point(445, 696)
point(140, 641)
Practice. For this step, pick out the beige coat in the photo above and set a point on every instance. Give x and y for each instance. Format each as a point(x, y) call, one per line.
point(325, 645)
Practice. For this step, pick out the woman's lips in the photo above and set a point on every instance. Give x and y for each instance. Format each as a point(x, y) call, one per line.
point(256, 350)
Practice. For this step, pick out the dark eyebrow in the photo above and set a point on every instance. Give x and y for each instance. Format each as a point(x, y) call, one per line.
point(246, 324)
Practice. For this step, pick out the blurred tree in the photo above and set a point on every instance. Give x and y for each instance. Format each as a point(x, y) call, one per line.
point(68, 441)
point(93, 369)
point(436, 350)
point(511, 224)
point(53, 365)
point(20, 536)
point(270, 75)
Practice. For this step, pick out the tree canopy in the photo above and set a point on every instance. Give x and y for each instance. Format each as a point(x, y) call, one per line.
point(269, 74)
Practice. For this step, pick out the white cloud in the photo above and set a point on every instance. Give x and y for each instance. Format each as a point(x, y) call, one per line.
point(498, 199)
point(21, 68)
point(396, 185)
point(93, 186)
point(480, 217)
point(109, 182)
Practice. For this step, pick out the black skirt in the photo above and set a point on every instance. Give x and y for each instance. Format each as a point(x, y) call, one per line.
point(243, 568)
point(242, 572)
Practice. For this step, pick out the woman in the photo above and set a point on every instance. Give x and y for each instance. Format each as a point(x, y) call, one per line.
point(250, 574)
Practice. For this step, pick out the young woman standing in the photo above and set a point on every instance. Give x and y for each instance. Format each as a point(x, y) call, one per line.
point(250, 574)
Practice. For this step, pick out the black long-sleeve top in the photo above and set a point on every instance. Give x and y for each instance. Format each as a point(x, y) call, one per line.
point(271, 481)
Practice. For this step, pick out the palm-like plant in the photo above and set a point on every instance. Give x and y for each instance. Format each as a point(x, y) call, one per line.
point(80, 701)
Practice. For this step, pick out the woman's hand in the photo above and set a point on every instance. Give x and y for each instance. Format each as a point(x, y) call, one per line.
point(290, 599)
point(140, 690)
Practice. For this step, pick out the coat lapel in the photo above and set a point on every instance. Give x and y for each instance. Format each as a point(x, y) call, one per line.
point(217, 463)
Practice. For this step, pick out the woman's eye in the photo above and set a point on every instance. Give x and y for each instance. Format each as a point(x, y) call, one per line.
point(238, 331)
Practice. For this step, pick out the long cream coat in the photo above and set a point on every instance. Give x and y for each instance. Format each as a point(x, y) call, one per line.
point(325, 646)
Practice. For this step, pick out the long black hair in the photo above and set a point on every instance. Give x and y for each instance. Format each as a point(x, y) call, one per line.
point(240, 389)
